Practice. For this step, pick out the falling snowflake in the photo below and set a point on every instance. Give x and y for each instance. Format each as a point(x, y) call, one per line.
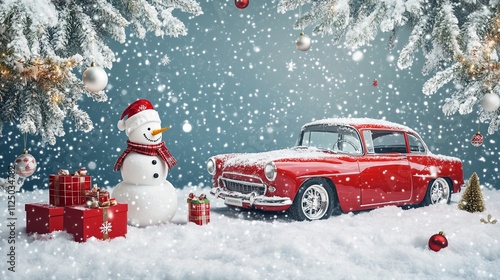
point(291, 66)
point(106, 227)
point(165, 60)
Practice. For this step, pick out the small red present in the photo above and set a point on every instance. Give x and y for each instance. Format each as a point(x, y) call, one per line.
point(102, 223)
point(198, 209)
point(43, 218)
point(98, 198)
point(65, 189)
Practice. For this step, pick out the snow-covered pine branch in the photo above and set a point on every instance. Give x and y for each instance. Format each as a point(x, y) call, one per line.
point(417, 37)
point(43, 41)
point(364, 28)
point(441, 78)
point(335, 20)
point(459, 40)
point(494, 124)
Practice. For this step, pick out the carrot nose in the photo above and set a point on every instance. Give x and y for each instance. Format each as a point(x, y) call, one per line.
point(160, 130)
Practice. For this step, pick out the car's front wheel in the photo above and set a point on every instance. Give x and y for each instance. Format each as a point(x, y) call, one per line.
point(314, 200)
point(439, 191)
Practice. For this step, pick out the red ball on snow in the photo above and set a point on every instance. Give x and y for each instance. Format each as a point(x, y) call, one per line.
point(241, 4)
point(438, 242)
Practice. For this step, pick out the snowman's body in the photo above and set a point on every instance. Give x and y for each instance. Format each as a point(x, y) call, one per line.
point(150, 197)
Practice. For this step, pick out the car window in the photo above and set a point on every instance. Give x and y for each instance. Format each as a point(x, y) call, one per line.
point(416, 145)
point(385, 142)
point(319, 139)
point(334, 138)
point(349, 142)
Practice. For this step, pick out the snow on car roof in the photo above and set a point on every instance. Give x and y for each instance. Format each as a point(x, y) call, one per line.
point(360, 123)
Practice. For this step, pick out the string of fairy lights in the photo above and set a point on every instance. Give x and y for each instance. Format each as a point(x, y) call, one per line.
point(482, 63)
point(46, 74)
point(49, 75)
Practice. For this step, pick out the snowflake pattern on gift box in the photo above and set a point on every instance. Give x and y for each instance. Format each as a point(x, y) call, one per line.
point(106, 227)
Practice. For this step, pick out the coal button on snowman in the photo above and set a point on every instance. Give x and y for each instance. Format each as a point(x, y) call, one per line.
point(144, 167)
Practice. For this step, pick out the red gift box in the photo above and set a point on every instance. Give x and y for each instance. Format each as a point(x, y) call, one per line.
point(43, 218)
point(98, 197)
point(102, 223)
point(67, 190)
point(198, 209)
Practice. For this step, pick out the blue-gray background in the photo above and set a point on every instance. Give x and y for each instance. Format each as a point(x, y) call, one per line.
point(230, 80)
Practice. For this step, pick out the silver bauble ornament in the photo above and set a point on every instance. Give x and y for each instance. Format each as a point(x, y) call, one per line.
point(25, 165)
point(95, 79)
point(303, 43)
point(490, 102)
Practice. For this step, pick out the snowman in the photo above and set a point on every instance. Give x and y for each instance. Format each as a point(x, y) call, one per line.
point(144, 167)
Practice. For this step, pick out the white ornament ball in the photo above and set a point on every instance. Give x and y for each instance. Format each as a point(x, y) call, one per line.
point(25, 165)
point(303, 43)
point(490, 102)
point(95, 79)
point(147, 204)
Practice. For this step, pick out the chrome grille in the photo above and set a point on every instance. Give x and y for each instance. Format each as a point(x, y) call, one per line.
point(243, 187)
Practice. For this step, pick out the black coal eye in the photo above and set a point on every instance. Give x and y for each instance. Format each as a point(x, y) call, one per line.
point(149, 128)
point(153, 162)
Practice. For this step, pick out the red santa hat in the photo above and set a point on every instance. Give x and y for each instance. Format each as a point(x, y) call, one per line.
point(139, 112)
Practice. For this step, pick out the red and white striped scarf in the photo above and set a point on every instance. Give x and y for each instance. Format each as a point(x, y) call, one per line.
point(150, 150)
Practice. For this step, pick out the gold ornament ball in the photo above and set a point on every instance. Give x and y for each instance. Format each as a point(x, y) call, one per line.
point(303, 43)
point(95, 79)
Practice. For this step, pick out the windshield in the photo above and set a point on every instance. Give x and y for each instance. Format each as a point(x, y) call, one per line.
point(333, 138)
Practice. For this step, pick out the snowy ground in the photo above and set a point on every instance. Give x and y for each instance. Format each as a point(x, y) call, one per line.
point(387, 243)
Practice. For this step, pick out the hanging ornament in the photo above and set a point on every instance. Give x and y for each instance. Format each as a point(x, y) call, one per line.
point(438, 242)
point(490, 102)
point(241, 4)
point(25, 165)
point(303, 43)
point(375, 83)
point(95, 78)
point(477, 140)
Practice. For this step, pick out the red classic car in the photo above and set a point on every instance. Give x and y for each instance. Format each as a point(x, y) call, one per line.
point(339, 165)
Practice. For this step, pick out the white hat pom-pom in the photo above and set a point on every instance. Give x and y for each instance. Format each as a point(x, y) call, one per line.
point(121, 125)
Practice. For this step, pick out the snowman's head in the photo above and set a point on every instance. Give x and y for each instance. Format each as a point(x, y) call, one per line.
point(147, 133)
point(142, 124)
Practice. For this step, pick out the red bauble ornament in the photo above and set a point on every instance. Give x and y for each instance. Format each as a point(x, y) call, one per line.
point(241, 4)
point(477, 140)
point(438, 242)
point(375, 83)
point(25, 165)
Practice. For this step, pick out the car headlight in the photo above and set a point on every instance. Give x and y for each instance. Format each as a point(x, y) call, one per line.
point(211, 166)
point(270, 171)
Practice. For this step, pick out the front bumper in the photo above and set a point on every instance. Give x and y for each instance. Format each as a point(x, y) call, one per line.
point(252, 200)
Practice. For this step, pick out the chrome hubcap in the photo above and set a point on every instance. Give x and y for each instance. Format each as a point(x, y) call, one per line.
point(315, 202)
point(440, 191)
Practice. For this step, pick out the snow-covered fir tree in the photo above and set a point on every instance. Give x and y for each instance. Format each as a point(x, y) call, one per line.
point(44, 44)
point(459, 40)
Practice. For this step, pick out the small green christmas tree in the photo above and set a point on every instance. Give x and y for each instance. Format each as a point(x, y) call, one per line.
point(472, 198)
